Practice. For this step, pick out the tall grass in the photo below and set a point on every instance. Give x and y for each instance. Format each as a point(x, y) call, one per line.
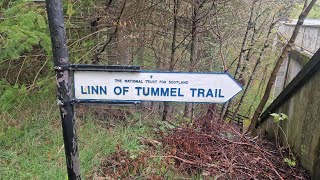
point(31, 142)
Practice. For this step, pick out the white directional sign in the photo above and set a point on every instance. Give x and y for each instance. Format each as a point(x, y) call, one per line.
point(154, 86)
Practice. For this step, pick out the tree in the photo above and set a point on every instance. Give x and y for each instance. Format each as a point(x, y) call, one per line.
point(278, 15)
point(287, 48)
point(173, 51)
point(254, 71)
point(193, 48)
point(242, 51)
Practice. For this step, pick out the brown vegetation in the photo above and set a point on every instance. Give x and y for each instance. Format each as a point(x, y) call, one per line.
point(217, 150)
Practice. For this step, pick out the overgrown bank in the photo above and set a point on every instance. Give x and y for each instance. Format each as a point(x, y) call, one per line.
point(124, 143)
point(31, 143)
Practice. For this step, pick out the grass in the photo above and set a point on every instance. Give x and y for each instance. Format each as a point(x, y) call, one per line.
point(30, 149)
point(31, 143)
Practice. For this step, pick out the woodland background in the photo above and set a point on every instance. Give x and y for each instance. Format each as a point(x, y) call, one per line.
point(233, 36)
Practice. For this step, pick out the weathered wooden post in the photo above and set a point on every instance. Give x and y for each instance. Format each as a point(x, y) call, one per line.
point(61, 65)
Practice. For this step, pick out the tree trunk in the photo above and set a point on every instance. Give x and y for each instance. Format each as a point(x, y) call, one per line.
point(166, 106)
point(243, 47)
point(248, 56)
point(210, 111)
point(257, 95)
point(280, 60)
point(112, 41)
point(193, 51)
point(266, 44)
point(245, 39)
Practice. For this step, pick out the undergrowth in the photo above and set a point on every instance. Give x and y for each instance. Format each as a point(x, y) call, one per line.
point(31, 142)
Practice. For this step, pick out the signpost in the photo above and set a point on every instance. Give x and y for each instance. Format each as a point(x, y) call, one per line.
point(104, 86)
point(121, 85)
point(61, 63)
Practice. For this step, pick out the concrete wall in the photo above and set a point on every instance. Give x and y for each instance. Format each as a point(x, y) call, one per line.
point(302, 129)
point(290, 67)
point(298, 96)
point(306, 44)
point(281, 78)
point(300, 100)
point(308, 39)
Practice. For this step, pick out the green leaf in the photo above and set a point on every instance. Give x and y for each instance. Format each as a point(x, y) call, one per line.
point(284, 116)
point(290, 162)
point(276, 117)
point(274, 114)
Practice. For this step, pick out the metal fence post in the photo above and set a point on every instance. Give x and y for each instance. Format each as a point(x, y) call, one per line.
point(61, 63)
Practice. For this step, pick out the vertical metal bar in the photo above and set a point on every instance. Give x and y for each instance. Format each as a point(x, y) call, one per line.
point(61, 59)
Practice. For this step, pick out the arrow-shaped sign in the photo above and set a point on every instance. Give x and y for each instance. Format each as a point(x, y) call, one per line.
point(154, 86)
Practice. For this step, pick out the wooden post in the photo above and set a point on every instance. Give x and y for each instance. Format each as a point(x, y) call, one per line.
point(61, 64)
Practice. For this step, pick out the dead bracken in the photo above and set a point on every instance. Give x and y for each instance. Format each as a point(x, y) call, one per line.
point(219, 150)
point(216, 150)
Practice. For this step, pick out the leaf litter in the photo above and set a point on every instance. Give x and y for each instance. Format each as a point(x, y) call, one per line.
point(211, 149)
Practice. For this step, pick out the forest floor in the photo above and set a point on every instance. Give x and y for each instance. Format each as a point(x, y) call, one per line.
point(210, 149)
point(132, 144)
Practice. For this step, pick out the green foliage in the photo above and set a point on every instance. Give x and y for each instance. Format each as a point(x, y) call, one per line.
point(165, 125)
point(23, 28)
point(34, 148)
point(70, 10)
point(279, 117)
point(257, 88)
point(96, 142)
point(290, 162)
point(23, 31)
point(11, 95)
point(181, 121)
point(314, 13)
